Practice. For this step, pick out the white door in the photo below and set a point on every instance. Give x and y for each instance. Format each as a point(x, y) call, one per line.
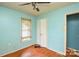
point(42, 32)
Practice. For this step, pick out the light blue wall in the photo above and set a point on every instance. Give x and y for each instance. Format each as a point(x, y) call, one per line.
point(73, 31)
point(10, 30)
point(56, 20)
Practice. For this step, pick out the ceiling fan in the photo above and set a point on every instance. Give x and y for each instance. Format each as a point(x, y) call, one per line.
point(35, 5)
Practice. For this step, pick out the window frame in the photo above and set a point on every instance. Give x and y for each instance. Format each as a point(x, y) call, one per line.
point(28, 37)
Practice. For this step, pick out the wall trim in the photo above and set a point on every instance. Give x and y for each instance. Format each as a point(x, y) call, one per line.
point(65, 30)
point(14, 50)
point(62, 53)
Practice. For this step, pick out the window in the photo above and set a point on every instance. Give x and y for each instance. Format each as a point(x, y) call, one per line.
point(26, 29)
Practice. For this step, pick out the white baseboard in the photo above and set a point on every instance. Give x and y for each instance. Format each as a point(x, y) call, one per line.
point(13, 51)
point(62, 53)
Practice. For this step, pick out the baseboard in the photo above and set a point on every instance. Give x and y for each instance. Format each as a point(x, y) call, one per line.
point(62, 53)
point(14, 51)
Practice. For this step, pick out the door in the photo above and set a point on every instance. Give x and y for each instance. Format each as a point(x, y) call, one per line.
point(42, 32)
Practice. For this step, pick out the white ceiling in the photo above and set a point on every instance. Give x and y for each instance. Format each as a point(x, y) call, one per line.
point(29, 9)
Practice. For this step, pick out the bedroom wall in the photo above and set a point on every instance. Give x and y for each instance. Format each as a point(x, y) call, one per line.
point(10, 30)
point(56, 21)
point(73, 31)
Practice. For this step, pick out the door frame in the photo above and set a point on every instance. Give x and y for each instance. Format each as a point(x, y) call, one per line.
point(65, 30)
point(38, 30)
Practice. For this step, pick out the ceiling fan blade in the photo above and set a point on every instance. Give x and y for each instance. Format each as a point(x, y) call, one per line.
point(25, 4)
point(43, 2)
point(37, 9)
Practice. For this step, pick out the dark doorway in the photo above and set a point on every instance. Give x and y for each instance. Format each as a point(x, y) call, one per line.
point(73, 31)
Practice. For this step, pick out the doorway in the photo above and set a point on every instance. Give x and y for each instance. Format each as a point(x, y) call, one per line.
point(42, 32)
point(72, 34)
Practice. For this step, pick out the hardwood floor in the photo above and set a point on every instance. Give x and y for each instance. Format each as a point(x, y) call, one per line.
point(34, 51)
point(17, 53)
